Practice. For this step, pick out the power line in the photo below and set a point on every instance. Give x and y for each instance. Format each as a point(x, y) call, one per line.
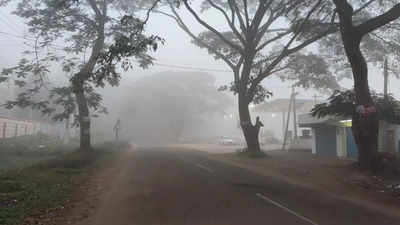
point(191, 68)
point(9, 22)
point(57, 47)
point(16, 36)
point(185, 67)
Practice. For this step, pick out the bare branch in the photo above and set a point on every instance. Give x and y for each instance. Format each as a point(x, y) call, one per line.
point(364, 6)
point(95, 8)
point(234, 8)
point(185, 28)
point(269, 41)
point(230, 23)
point(212, 29)
point(379, 21)
point(246, 13)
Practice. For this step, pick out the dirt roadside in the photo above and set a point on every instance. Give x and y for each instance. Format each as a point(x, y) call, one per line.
point(337, 177)
point(87, 196)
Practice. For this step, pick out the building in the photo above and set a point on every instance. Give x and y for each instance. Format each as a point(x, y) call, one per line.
point(332, 136)
point(274, 115)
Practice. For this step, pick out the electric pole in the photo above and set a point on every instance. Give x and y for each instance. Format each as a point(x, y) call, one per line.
point(294, 113)
point(287, 121)
point(385, 78)
point(382, 130)
point(283, 124)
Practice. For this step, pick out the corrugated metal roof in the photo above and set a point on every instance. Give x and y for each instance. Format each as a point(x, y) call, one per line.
point(307, 120)
point(282, 105)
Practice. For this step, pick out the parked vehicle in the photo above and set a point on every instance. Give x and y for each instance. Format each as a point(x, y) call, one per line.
point(227, 141)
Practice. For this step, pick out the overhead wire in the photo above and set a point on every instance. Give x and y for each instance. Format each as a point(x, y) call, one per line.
point(202, 69)
point(8, 22)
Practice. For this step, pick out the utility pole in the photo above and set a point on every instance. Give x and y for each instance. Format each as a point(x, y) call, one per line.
point(287, 122)
point(294, 113)
point(382, 130)
point(385, 78)
point(283, 124)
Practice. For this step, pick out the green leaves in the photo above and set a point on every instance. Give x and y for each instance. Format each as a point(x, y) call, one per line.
point(342, 104)
point(310, 71)
point(86, 29)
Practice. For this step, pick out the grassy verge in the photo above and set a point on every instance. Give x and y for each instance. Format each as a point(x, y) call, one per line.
point(43, 188)
point(24, 151)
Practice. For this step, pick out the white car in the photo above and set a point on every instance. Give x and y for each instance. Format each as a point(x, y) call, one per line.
point(227, 141)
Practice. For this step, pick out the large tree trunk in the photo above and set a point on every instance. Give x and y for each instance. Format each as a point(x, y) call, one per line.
point(79, 80)
point(250, 131)
point(84, 118)
point(365, 126)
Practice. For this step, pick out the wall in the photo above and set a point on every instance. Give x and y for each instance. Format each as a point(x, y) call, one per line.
point(325, 137)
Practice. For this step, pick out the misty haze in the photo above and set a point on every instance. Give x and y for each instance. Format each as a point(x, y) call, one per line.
point(199, 112)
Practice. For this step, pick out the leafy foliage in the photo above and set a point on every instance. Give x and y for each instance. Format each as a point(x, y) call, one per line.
point(129, 41)
point(82, 26)
point(342, 104)
point(255, 44)
point(377, 46)
point(310, 71)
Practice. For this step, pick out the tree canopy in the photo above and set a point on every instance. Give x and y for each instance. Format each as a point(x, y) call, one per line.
point(72, 36)
point(343, 104)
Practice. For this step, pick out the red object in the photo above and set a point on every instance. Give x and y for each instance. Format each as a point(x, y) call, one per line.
point(369, 110)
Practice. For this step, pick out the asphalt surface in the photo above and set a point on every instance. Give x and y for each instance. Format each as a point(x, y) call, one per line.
point(166, 187)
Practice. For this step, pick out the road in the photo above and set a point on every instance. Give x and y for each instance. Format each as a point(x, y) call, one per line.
point(166, 187)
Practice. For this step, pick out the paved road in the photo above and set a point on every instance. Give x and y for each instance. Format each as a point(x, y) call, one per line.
point(164, 187)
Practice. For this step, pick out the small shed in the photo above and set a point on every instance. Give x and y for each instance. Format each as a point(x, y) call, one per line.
point(331, 136)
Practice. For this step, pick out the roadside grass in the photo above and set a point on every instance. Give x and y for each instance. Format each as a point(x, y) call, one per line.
point(43, 188)
point(24, 151)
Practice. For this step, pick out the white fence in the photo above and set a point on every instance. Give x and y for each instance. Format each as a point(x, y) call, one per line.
point(12, 127)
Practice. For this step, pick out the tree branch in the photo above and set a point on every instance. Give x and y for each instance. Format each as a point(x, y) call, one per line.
point(379, 21)
point(234, 8)
point(184, 27)
point(246, 13)
point(364, 6)
point(95, 8)
point(277, 37)
point(230, 23)
point(286, 51)
point(210, 28)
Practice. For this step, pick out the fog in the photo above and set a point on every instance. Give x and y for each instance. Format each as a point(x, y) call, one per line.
point(184, 112)
point(139, 104)
point(150, 111)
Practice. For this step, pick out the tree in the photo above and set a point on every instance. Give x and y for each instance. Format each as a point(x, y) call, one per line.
point(164, 107)
point(82, 25)
point(260, 38)
point(365, 128)
point(343, 104)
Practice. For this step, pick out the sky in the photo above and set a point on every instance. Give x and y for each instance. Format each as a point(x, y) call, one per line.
point(178, 52)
